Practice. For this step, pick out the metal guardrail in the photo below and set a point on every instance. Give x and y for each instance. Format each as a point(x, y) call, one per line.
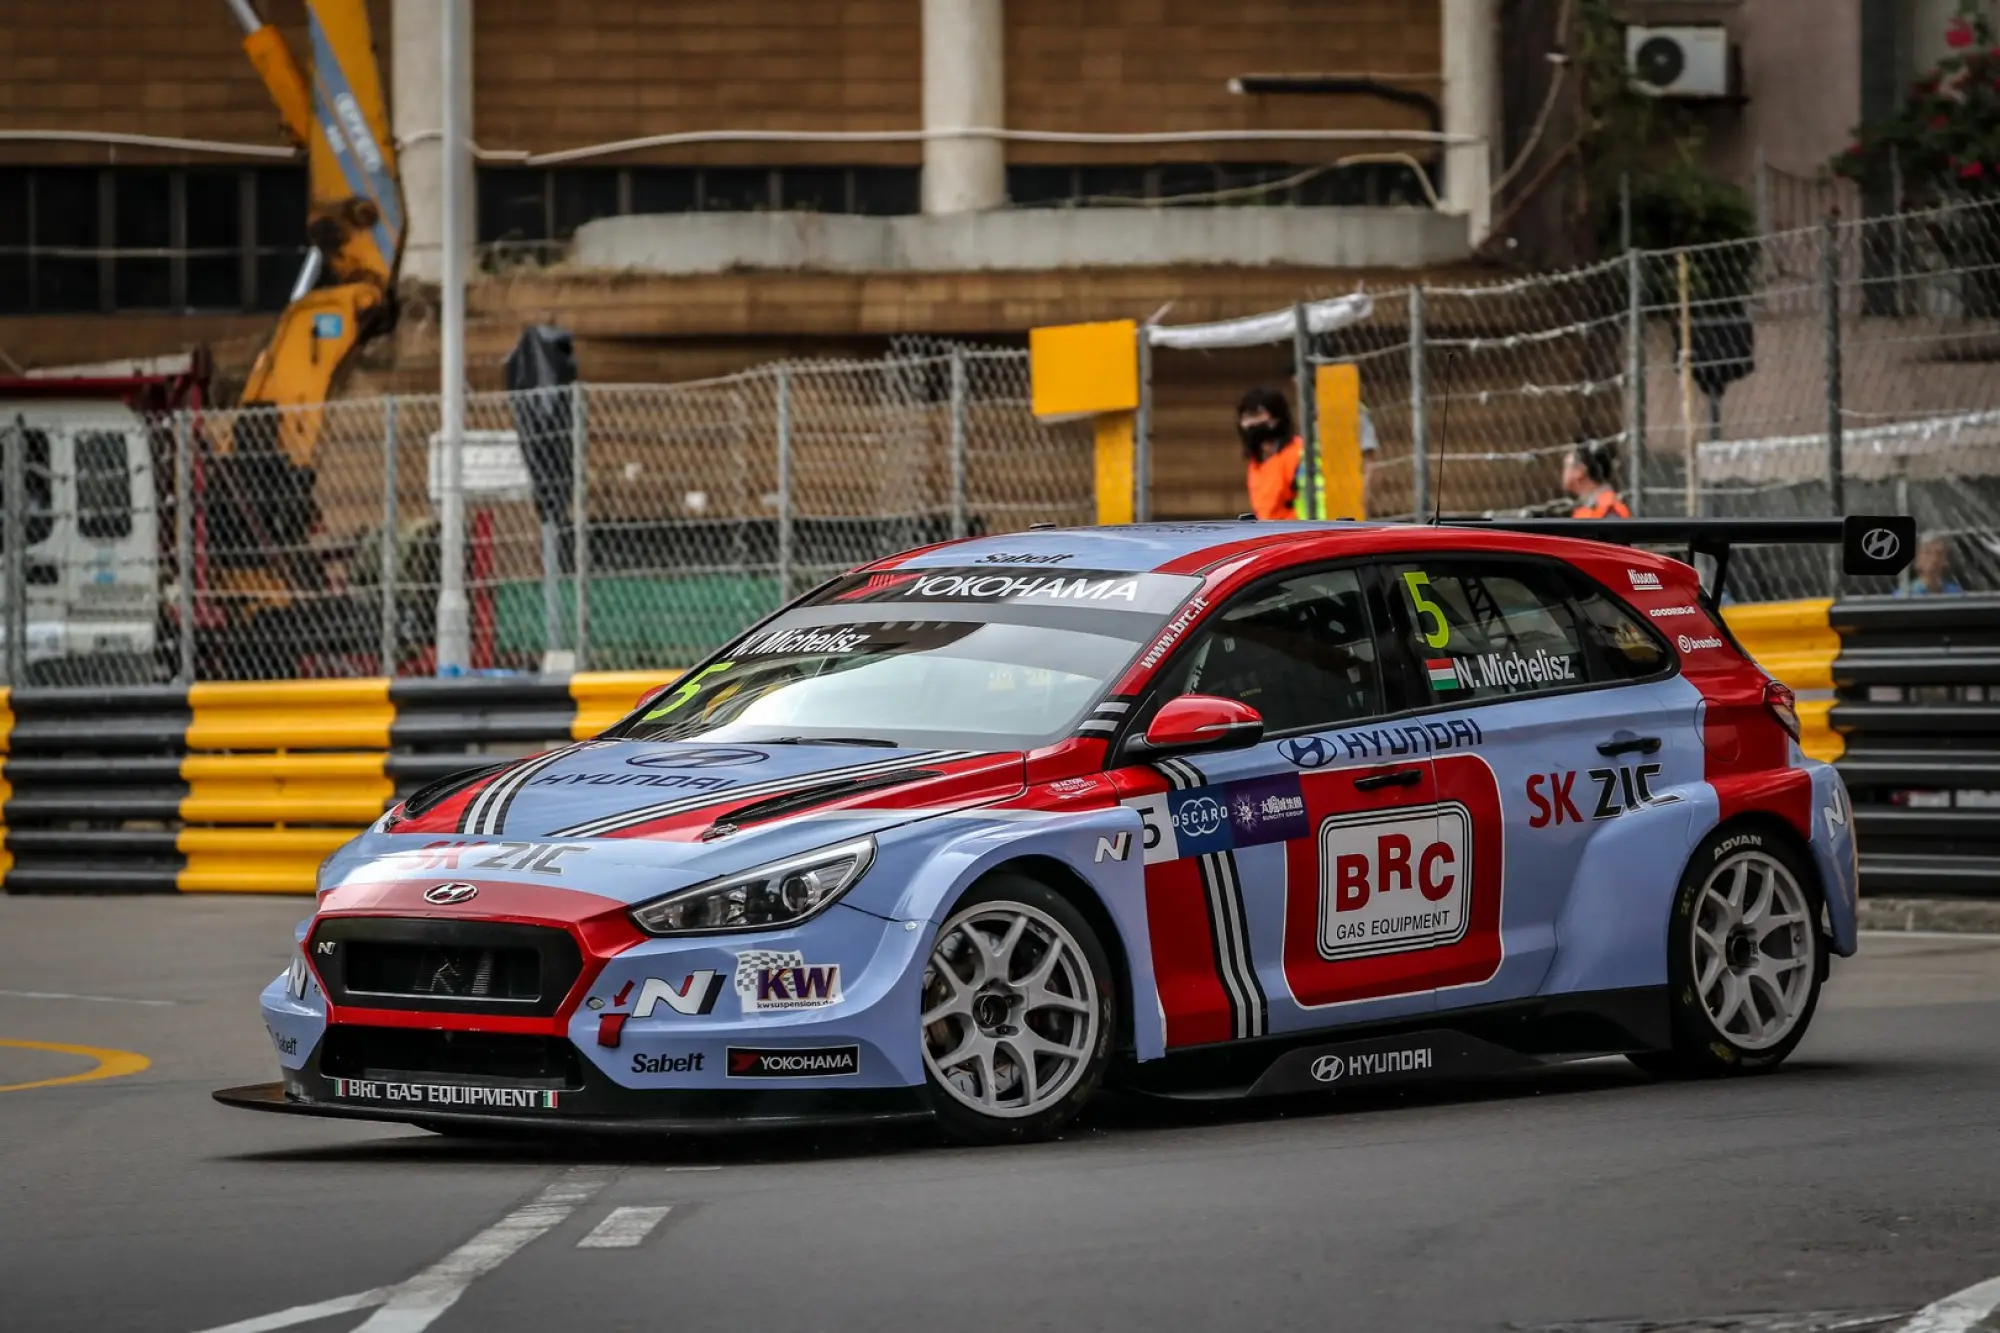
point(1919, 720)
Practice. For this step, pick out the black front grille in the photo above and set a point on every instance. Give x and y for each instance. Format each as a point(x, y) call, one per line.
point(465, 972)
point(478, 967)
point(348, 1051)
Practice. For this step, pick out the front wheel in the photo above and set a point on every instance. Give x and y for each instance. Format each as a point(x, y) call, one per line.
point(1018, 1013)
point(1745, 957)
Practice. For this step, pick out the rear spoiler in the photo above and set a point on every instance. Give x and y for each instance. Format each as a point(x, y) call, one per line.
point(1879, 544)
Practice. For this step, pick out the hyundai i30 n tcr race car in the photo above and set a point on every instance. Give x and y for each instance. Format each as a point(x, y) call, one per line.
point(1195, 808)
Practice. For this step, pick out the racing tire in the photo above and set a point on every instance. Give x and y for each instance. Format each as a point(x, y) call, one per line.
point(1745, 957)
point(1019, 1012)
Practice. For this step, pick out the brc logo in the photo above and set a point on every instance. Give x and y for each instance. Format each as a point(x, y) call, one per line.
point(1393, 881)
point(1390, 870)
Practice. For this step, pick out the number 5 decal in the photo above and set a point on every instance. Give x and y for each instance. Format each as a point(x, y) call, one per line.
point(1417, 581)
point(686, 691)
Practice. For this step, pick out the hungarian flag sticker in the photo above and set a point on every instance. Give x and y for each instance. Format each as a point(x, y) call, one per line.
point(1443, 673)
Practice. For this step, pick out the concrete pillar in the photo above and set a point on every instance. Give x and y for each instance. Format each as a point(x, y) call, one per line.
point(416, 109)
point(964, 87)
point(1471, 41)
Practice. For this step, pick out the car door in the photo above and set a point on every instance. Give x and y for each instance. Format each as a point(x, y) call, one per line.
point(1253, 927)
point(1579, 727)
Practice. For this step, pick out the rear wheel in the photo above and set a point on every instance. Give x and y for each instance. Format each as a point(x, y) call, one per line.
point(1018, 1013)
point(1745, 957)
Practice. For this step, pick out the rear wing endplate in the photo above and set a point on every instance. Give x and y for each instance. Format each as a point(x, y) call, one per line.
point(1878, 544)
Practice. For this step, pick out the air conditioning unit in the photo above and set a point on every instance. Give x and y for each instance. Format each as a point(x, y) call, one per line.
point(1678, 61)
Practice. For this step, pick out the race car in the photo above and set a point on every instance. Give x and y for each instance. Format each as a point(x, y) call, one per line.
point(1196, 809)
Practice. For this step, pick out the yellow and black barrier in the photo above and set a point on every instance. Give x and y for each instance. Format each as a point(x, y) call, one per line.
point(245, 787)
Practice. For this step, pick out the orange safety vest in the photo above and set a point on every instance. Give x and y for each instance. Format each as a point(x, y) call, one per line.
point(1274, 482)
point(1604, 504)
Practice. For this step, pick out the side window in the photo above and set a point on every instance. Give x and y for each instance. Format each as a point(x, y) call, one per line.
point(1301, 652)
point(1484, 629)
point(1625, 650)
point(103, 486)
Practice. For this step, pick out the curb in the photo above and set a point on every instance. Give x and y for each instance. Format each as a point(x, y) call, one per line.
point(1949, 915)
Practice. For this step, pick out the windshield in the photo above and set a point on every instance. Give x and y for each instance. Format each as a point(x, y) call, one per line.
point(992, 660)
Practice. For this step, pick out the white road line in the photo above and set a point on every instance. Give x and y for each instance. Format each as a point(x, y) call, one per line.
point(624, 1228)
point(1958, 1312)
point(414, 1305)
point(305, 1314)
point(64, 995)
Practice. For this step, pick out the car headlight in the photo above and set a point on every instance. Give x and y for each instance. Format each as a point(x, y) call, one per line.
point(782, 893)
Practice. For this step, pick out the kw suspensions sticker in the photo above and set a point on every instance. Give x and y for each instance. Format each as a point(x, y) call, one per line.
point(1398, 890)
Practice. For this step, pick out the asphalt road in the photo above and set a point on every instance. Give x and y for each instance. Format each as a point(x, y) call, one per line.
point(1855, 1186)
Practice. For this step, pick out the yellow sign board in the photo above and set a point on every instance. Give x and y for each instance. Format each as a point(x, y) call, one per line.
point(1080, 370)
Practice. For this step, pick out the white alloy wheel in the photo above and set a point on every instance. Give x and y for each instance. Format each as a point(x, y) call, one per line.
point(1012, 1012)
point(1753, 949)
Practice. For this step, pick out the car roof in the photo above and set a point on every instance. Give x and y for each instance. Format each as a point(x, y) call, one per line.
point(1125, 548)
point(1192, 546)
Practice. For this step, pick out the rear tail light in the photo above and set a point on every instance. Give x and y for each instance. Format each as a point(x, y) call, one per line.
point(1784, 706)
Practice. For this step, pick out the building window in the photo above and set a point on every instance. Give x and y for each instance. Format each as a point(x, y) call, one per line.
point(91, 240)
point(535, 212)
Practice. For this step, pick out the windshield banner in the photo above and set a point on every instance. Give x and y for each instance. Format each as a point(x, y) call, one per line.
point(1113, 590)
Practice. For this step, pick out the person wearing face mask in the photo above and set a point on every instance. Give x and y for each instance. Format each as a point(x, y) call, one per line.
point(1586, 476)
point(1273, 454)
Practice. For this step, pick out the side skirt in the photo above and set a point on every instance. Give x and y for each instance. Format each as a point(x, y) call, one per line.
point(1454, 1044)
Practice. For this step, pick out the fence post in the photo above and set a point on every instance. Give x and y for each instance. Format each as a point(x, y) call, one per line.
point(579, 516)
point(957, 442)
point(1420, 420)
point(14, 469)
point(1635, 379)
point(1302, 374)
point(390, 520)
point(1895, 233)
point(784, 484)
point(1142, 433)
point(1829, 242)
point(184, 539)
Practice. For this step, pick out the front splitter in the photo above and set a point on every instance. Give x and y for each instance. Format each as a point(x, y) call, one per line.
point(714, 1119)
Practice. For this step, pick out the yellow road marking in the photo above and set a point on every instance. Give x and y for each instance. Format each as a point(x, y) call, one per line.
point(110, 1063)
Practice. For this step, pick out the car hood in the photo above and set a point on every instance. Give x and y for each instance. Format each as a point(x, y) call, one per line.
point(633, 819)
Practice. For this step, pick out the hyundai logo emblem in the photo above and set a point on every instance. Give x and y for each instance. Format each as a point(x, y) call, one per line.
point(1327, 1068)
point(1307, 751)
point(1881, 544)
point(449, 895)
point(711, 757)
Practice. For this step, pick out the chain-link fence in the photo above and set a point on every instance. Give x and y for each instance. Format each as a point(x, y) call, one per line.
point(1845, 367)
point(683, 511)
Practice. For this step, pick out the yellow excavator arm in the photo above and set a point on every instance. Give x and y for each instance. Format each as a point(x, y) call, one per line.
point(355, 219)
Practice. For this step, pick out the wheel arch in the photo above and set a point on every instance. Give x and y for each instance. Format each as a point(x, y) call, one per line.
point(1782, 831)
point(1080, 894)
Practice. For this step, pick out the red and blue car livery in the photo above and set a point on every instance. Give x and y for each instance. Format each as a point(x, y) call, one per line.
point(1189, 808)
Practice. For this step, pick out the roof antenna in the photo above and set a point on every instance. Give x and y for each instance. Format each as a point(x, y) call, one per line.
point(1444, 420)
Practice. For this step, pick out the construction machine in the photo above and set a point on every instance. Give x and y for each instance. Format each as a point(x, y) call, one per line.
point(258, 511)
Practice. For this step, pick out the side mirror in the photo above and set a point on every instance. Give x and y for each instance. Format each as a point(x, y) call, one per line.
point(1196, 722)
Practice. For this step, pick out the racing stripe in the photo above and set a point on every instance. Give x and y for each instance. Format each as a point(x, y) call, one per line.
point(1228, 928)
point(1107, 717)
point(1227, 921)
point(484, 813)
point(605, 825)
